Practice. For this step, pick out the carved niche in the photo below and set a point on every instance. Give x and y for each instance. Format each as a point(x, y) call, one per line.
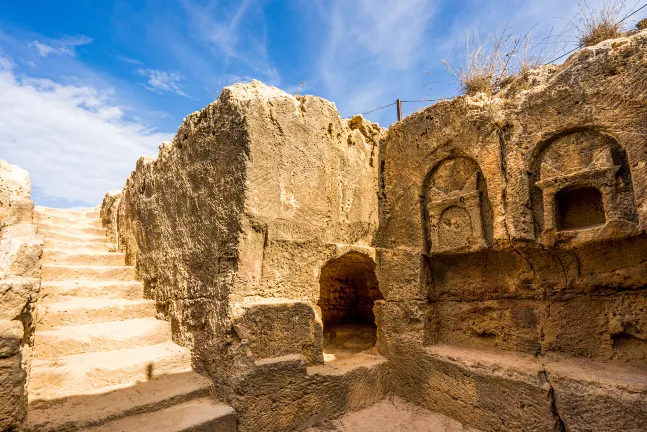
point(455, 206)
point(584, 183)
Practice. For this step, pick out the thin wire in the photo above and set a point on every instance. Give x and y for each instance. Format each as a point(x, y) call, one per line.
point(563, 55)
point(424, 100)
point(377, 109)
point(633, 13)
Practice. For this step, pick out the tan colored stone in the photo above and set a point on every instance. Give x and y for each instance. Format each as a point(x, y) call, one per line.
point(11, 334)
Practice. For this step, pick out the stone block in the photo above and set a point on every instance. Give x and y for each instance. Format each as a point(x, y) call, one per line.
point(399, 274)
point(281, 394)
point(15, 293)
point(275, 328)
point(487, 389)
point(13, 399)
point(596, 396)
point(11, 335)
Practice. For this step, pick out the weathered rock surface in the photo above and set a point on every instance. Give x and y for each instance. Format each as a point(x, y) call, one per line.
point(512, 229)
point(20, 268)
point(108, 213)
point(230, 226)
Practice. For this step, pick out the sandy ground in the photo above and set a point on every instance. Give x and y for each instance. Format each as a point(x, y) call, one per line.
point(392, 415)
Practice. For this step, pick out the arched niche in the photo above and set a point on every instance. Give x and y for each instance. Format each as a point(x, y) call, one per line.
point(348, 291)
point(580, 180)
point(456, 210)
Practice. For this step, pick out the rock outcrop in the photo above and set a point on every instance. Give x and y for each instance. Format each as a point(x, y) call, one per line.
point(229, 228)
point(20, 253)
point(511, 251)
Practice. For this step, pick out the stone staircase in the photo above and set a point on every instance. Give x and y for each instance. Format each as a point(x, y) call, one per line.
point(101, 359)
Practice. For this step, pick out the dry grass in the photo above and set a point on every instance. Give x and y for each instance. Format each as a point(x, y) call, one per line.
point(642, 24)
point(597, 24)
point(484, 67)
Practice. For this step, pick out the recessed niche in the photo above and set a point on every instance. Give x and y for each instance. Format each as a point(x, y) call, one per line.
point(579, 208)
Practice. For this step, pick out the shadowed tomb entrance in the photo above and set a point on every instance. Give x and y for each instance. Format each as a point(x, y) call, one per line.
point(348, 291)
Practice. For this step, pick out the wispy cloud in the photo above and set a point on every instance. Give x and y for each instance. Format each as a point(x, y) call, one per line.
point(74, 140)
point(129, 60)
point(367, 44)
point(235, 29)
point(64, 46)
point(161, 81)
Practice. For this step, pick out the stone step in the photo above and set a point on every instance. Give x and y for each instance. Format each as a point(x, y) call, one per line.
point(72, 237)
point(201, 415)
point(81, 412)
point(76, 311)
point(99, 372)
point(53, 211)
point(56, 272)
point(105, 336)
point(67, 256)
point(78, 246)
point(71, 228)
point(78, 219)
point(63, 290)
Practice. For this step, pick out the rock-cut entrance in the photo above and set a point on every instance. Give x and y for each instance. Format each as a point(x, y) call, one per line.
point(349, 289)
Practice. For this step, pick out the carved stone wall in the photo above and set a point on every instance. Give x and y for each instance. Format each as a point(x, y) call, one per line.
point(485, 325)
point(458, 216)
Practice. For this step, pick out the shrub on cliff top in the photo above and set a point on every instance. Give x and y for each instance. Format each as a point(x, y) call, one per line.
point(597, 24)
point(484, 67)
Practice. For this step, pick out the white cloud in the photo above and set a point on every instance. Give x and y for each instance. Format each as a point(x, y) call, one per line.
point(75, 143)
point(65, 46)
point(161, 81)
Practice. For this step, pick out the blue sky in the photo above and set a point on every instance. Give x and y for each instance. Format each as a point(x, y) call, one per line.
point(88, 87)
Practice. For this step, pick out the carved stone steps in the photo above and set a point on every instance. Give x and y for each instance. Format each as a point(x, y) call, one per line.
point(81, 412)
point(79, 245)
point(56, 272)
point(202, 415)
point(77, 311)
point(97, 372)
point(64, 290)
point(73, 228)
point(66, 256)
point(72, 236)
point(101, 358)
point(104, 336)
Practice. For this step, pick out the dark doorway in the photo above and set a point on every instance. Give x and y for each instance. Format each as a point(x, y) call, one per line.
point(348, 291)
point(579, 208)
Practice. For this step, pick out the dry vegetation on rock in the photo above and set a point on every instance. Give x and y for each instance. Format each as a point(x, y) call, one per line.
point(597, 24)
point(484, 67)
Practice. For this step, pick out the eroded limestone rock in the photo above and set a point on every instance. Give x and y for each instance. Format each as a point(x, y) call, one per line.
point(20, 253)
point(232, 223)
point(516, 223)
